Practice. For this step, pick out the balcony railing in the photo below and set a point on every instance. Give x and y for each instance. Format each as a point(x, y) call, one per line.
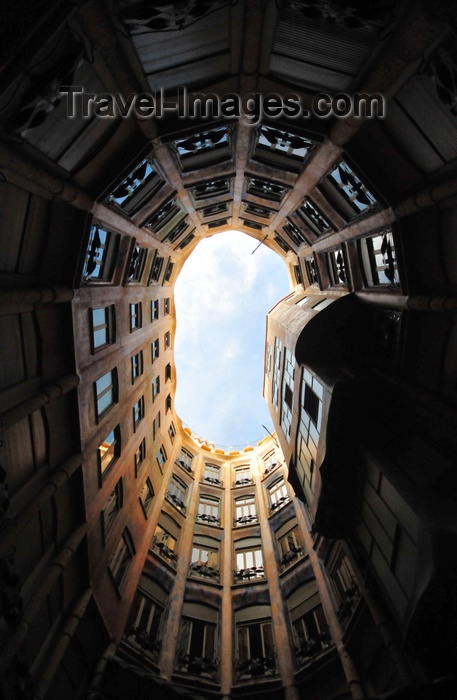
point(254, 572)
point(165, 552)
point(145, 641)
point(176, 502)
point(279, 503)
point(292, 556)
point(270, 468)
point(185, 466)
point(207, 518)
point(245, 481)
point(255, 668)
point(198, 666)
point(348, 604)
point(212, 480)
point(204, 571)
point(311, 647)
point(246, 520)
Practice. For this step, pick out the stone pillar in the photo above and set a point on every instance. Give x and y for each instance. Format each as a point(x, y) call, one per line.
point(38, 599)
point(284, 653)
point(336, 632)
point(51, 391)
point(8, 534)
point(176, 598)
point(62, 645)
point(226, 665)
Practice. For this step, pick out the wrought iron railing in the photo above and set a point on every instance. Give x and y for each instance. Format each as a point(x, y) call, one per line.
point(244, 481)
point(279, 503)
point(198, 666)
point(165, 552)
point(176, 502)
point(348, 604)
point(204, 571)
point(246, 519)
point(212, 480)
point(147, 643)
point(253, 572)
point(207, 518)
point(292, 556)
point(185, 466)
point(255, 668)
point(309, 648)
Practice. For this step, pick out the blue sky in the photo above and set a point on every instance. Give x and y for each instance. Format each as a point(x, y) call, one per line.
point(222, 296)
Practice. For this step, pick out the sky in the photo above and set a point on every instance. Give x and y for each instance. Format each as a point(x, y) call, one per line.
point(222, 296)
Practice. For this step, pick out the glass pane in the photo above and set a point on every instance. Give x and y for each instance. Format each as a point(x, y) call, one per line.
point(268, 639)
point(243, 644)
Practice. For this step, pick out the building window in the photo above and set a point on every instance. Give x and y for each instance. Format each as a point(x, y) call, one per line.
point(103, 327)
point(167, 340)
point(212, 474)
point(105, 392)
point(270, 461)
point(137, 365)
point(176, 493)
point(166, 306)
point(130, 193)
point(137, 263)
point(248, 560)
point(172, 431)
point(154, 309)
point(336, 267)
point(165, 544)
point(254, 646)
point(155, 387)
point(197, 641)
point(161, 456)
point(109, 451)
point(121, 558)
point(291, 548)
point(135, 316)
point(147, 619)
point(275, 382)
point(168, 403)
point(208, 510)
point(309, 431)
point(269, 360)
point(379, 260)
point(278, 495)
point(185, 460)
point(313, 218)
point(288, 376)
point(311, 271)
point(310, 633)
point(138, 412)
point(101, 255)
point(146, 496)
point(155, 349)
point(156, 269)
point(349, 195)
point(140, 456)
point(205, 558)
point(112, 507)
point(168, 372)
point(245, 510)
point(243, 476)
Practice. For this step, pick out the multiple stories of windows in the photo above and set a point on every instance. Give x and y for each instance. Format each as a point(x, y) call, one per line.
point(275, 383)
point(309, 431)
point(288, 375)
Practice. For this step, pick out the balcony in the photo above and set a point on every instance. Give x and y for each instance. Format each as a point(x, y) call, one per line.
point(348, 604)
point(255, 668)
point(165, 553)
point(177, 502)
point(251, 574)
point(270, 468)
point(144, 640)
point(246, 520)
point(198, 666)
point(204, 571)
point(290, 557)
point(309, 648)
point(206, 518)
point(245, 481)
point(212, 480)
point(277, 505)
point(184, 465)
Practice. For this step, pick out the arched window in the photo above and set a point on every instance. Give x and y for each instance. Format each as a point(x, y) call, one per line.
point(248, 560)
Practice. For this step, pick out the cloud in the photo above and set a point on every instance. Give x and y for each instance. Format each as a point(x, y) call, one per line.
point(222, 296)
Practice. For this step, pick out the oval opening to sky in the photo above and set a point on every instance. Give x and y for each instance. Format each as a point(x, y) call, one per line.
point(222, 296)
